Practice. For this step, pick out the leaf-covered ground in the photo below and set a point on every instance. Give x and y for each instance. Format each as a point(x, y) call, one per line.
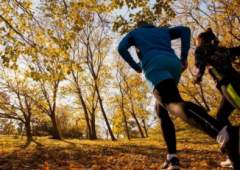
point(195, 150)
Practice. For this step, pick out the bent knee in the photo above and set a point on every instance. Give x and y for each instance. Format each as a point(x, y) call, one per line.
point(175, 108)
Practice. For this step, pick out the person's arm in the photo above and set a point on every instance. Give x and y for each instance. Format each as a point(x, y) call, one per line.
point(234, 53)
point(185, 34)
point(123, 47)
point(200, 63)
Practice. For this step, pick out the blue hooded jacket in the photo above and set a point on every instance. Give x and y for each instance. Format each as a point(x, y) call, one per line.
point(151, 41)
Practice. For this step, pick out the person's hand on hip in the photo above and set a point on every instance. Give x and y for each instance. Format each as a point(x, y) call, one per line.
point(184, 65)
point(139, 70)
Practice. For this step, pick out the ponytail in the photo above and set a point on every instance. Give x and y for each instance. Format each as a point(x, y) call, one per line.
point(216, 41)
point(209, 37)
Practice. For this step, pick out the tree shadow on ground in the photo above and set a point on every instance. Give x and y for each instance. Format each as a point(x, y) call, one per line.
point(74, 144)
point(29, 142)
point(63, 140)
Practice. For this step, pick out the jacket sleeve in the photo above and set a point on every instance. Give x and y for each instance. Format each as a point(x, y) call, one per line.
point(200, 63)
point(185, 34)
point(123, 47)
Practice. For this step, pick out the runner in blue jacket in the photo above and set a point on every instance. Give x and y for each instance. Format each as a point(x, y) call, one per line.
point(162, 69)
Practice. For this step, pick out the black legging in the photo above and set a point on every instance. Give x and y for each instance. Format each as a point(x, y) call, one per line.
point(235, 51)
point(169, 100)
point(224, 111)
point(228, 105)
point(167, 127)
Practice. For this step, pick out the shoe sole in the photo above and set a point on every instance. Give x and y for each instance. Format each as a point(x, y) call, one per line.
point(172, 168)
point(229, 167)
point(238, 146)
point(234, 148)
point(237, 165)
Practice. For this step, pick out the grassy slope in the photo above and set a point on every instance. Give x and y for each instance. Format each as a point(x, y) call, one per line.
point(196, 151)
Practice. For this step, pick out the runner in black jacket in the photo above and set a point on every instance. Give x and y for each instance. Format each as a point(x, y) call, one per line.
point(218, 61)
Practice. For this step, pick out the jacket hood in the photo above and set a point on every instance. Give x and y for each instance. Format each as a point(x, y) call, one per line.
point(147, 26)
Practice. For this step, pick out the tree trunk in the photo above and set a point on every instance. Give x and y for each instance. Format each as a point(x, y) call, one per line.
point(107, 133)
point(56, 134)
point(28, 130)
point(104, 113)
point(145, 128)
point(135, 117)
point(138, 125)
point(94, 133)
point(85, 114)
point(89, 133)
point(124, 115)
point(126, 124)
point(203, 98)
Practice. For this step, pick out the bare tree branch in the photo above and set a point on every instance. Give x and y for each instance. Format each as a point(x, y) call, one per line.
point(17, 31)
